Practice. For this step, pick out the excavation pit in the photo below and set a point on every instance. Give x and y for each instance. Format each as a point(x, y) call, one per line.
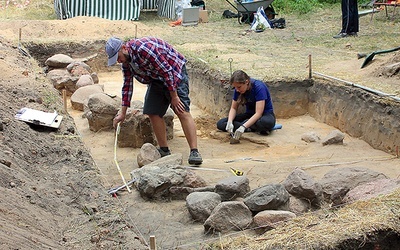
point(370, 122)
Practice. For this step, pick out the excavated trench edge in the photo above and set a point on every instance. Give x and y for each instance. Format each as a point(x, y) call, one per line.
point(328, 100)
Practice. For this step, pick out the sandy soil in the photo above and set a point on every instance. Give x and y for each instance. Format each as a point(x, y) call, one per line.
point(264, 159)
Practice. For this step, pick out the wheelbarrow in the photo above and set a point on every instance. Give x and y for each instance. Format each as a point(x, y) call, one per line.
point(247, 8)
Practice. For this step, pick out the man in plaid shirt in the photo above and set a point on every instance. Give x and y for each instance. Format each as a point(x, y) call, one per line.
point(156, 63)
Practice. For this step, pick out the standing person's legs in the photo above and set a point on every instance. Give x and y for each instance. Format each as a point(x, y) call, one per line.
point(187, 121)
point(189, 128)
point(345, 16)
point(156, 103)
point(159, 129)
point(349, 19)
point(353, 17)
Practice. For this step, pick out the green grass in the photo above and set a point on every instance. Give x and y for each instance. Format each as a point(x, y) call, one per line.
point(29, 10)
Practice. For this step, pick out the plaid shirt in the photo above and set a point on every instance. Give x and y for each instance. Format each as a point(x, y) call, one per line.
point(151, 59)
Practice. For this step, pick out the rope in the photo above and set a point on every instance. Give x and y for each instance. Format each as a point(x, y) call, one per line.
point(115, 157)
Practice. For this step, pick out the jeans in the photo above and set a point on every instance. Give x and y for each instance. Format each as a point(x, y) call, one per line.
point(265, 123)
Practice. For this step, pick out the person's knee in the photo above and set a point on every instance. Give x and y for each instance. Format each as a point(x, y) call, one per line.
point(184, 116)
point(221, 124)
point(265, 124)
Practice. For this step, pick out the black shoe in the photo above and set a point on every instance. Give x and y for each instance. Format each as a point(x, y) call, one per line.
point(340, 35)
point(195, 158)
point(163, 153)
point(266, 132)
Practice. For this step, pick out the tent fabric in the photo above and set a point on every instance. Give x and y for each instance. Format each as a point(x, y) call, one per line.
point(112, 9)
point(166, 8)
point(149, 4)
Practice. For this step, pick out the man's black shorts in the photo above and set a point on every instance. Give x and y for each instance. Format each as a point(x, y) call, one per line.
point(157, 98)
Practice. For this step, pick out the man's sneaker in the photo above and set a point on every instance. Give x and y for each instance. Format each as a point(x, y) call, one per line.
point(340, 35)
point(163, 153)
point(195, 158)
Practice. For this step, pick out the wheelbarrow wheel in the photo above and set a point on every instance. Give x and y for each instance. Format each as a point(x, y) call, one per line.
point(270, 12)
point(240, 18)
point(245, 18)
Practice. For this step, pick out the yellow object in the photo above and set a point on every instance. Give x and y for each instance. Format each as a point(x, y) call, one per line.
point(237, 172)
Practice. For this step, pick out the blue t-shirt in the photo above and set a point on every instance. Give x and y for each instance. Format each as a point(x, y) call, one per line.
point(258, 92)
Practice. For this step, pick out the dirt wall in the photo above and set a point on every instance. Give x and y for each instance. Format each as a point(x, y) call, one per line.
point(92, 52)
point(357, 112)
point(209, 90)
point(352, 110)
point(361, 114)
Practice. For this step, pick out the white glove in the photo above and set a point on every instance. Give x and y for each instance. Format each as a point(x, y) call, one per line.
point(239, 132)
point(229, 127)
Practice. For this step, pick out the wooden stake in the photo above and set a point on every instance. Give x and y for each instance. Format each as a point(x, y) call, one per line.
point(19, 36)
point(309, 67)
point(153, 242)
point(64, 93)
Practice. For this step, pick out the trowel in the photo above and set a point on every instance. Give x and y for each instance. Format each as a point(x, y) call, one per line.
point(232, 140)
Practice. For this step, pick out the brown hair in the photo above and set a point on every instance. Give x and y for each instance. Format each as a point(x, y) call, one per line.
point(239, 76)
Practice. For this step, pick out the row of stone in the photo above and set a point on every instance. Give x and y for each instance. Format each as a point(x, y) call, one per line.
point(231, 205)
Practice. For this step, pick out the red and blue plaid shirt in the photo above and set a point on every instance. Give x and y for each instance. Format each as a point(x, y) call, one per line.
point(151, 59)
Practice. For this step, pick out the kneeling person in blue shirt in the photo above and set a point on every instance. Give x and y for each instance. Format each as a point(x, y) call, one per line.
point(259, 114)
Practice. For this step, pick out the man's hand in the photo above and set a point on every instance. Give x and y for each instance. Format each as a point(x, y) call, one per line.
point(239, 132)
point(229, 127)
point(176, 103)
point(117, 119)
point(177, 106)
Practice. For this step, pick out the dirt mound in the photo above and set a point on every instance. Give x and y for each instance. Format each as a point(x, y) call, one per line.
point(51, 190)
point(389, 68)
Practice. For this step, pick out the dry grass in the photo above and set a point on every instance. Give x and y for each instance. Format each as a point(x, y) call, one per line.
point(326, 229)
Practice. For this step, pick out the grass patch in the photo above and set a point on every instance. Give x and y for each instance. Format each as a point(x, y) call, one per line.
point(27, 10)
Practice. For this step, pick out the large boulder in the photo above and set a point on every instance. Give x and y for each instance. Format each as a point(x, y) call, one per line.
point(337, 182)
point(154, 181)
point(201, 204)
point(137, 130)
point(302, 185)
point(58, 61)
point(101, 111)
point(80, 97)
point(228, 216)
point(268, 197)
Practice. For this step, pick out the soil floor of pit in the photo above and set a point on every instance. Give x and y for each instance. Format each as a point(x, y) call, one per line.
point(263, 159)
point(273, 157)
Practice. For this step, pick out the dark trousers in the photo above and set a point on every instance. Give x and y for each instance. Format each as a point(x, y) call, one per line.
point(265, 123)
point(349, 16)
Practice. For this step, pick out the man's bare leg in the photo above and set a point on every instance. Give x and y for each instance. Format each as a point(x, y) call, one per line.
point(189, 128)
point(159, 129)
